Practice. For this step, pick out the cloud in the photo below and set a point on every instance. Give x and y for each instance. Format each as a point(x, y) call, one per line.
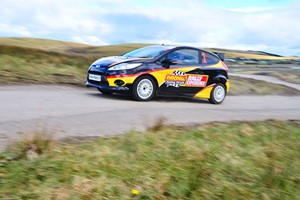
point(54, 19)
point(252, 9)
point(89, 40)
point(192, 22)
point(15, 30)
point(277, 27)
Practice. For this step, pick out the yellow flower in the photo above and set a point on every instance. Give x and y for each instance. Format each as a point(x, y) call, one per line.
point(135, 191)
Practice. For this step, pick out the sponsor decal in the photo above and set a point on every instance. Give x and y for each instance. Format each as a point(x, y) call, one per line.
point(196, 80)
point(179, 78)
point(176, 79)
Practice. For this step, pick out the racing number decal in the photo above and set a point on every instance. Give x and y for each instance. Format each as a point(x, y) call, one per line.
point(204, 61)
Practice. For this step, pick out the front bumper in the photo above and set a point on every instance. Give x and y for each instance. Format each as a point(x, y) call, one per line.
point(111, 83)
point(108, 88)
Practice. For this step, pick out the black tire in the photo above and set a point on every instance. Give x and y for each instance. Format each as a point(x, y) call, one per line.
point(104, 91)
point(143, 89)
point(218, 94)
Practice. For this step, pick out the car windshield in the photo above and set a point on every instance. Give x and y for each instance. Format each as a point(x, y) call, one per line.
point(147, 52)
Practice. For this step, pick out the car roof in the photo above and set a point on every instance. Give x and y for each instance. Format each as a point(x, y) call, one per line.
point(172, 46)
point(167, 46)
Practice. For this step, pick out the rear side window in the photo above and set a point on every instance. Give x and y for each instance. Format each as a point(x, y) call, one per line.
point(208, 59)
point(185, 56)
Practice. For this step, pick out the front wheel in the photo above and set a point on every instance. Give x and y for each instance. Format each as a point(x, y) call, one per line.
point(143, 89)
point(218, 94)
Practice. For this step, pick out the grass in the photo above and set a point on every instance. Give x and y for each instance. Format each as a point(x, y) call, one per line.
point(42, 44)
point(244, 86)
point(292, 77)
point(238, 160)
point(249, 54)
point(24, 64)
point(71, 47)
point(288, 75)
point(19, 65)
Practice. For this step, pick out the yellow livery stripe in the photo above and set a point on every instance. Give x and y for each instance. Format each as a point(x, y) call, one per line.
point(205, 92)
point(227, 86)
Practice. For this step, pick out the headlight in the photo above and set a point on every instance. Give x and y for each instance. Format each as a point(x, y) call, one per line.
point(123, 66)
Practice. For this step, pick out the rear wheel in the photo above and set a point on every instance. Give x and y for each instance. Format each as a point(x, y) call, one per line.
point(143, 89)
point(218, 94)
point(104, 91)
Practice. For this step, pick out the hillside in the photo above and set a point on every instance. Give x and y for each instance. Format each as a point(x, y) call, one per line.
point(28, 60)
point(68, 47)
point(249, 54)
point(119, 49)
point(43, 44)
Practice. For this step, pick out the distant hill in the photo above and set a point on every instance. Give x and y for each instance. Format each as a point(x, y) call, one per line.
point(249, 54)
point(69, 47)
point(29, 60)
point(43, 44)
point(246, 52)
point(101, 51)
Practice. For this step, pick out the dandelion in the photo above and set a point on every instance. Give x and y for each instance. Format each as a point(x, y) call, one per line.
point(135, 191)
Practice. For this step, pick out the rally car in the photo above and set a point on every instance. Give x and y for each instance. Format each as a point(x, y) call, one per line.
point(162, 70)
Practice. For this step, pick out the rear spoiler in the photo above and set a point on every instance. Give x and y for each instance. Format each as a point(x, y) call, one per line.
point(220, 55)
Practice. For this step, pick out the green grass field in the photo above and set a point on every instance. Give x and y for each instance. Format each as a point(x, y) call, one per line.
point(237, 160)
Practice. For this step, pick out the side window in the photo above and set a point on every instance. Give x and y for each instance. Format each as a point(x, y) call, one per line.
point(208, 59)
point(184, 56)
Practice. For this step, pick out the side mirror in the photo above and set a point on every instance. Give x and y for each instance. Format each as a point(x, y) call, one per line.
point(174, 62)
point(166, 63)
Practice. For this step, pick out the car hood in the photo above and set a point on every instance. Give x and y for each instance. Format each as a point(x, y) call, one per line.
point(110, 61)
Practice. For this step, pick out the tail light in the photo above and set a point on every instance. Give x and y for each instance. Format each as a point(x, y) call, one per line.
point(225, 67)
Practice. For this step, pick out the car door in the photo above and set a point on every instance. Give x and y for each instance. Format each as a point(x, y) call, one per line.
point(177, 78)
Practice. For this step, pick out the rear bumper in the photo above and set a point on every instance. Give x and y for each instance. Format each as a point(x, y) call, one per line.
point(227, 86)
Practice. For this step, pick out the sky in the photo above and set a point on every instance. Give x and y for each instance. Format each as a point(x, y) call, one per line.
point(265, 25)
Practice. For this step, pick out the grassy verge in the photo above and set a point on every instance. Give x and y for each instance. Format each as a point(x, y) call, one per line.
point(67, 66)
point(289, 75)
point(248, 160)
point(19, 65)
point(244, 86)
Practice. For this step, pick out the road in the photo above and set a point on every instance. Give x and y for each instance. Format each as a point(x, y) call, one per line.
point(65, 111)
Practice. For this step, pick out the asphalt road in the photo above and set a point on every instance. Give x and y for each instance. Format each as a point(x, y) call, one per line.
point(64, 111)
